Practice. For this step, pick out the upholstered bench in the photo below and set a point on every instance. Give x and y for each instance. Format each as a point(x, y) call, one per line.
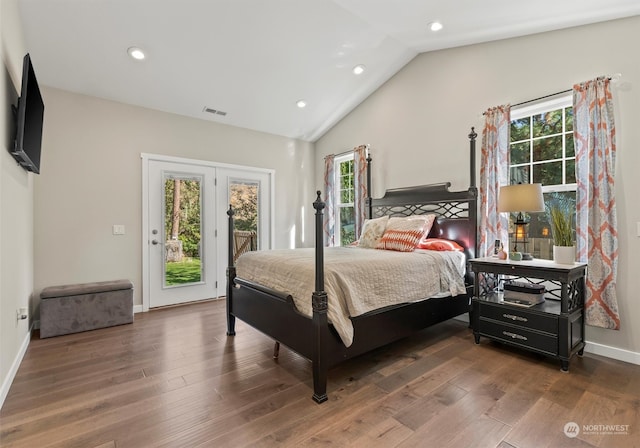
point(74, 308)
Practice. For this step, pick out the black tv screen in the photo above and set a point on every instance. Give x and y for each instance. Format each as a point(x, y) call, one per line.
point(29, 119)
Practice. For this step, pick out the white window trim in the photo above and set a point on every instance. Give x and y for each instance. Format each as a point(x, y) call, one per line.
point(562, 100)
point(540, 106)
point(337, 196)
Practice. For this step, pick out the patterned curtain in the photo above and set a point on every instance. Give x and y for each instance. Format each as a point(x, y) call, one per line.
point(360, 187)
point(596, 223)
point(329, 194)
point(494, 173)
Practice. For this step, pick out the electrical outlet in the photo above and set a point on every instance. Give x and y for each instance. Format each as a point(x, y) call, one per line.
point(22, 314)
point(118, 229)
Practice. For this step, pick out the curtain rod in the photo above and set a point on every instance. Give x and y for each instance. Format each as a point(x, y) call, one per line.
point(541, 98)
point(615, 77)
point(537, 99)
point(347, 152)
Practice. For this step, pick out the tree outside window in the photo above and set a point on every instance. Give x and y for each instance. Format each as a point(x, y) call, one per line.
point(344, 203)
point(542, 151)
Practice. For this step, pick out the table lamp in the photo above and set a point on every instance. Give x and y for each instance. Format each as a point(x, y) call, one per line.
point(521, 198)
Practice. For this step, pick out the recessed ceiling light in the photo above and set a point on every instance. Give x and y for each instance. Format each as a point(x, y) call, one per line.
point(301, 103)
point(136, 53)
point(358, 69)
point(435, 26)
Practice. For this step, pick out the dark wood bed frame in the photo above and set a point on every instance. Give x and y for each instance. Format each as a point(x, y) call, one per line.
point(274, 314)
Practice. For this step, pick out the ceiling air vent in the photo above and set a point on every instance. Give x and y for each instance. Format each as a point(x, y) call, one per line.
point(214, 111)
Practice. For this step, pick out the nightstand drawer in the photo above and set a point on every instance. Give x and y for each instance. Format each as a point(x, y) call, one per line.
point(520, 317)
point(520, 336)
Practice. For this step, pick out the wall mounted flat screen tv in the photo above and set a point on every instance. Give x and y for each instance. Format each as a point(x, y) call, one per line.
point(29, 120)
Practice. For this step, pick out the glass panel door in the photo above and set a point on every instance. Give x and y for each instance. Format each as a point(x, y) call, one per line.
point(182, 242)
point(183, 230)
point(249, 193)
point(244, 198)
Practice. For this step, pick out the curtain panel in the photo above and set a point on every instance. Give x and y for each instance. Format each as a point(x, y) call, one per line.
point(494, 173)
point(329, 195)
point(596, 222)
point(360, 187)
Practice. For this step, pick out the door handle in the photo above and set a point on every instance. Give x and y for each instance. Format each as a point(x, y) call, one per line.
point(154, 242)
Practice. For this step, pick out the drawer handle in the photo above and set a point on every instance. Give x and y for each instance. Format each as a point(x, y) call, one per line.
point(514, 317)
point(514, 335)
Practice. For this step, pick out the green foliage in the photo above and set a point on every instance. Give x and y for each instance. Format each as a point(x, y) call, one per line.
point(520, 129)
point(347, 213)
point(347, 236)
point(244, 200)
point(347, 225)
point(190, 227)
point(561, 214)
point(188, 271)
point(536, 148)
point(346, 168)
point(347, 185)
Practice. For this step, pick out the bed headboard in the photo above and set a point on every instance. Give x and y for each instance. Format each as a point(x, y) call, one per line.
point(456, 210)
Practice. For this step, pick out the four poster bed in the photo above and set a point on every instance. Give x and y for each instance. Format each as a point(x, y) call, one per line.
point(310, 329)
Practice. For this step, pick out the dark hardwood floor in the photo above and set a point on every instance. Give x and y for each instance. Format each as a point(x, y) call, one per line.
point(174, 379)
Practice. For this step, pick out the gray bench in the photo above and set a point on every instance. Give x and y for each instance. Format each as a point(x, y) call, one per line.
point(74, 308)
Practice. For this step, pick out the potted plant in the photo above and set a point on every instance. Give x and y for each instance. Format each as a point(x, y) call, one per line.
point(561, 213)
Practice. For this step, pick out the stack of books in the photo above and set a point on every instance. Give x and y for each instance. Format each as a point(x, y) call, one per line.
point(523, 294)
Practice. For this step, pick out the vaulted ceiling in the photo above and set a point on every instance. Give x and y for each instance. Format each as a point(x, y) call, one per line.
point(253, 60)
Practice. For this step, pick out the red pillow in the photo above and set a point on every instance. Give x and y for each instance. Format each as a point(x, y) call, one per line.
point(439, 244)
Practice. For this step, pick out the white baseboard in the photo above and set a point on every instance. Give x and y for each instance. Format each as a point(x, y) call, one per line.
point(612, 352)
point(8, 380)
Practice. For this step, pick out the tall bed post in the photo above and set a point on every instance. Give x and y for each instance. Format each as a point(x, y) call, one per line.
point(231, 275)
point(472, 157)
point(369, 194)
point(320, 307)
point(473, 214)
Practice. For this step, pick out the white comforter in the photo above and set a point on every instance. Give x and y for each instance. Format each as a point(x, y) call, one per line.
point(356, 280)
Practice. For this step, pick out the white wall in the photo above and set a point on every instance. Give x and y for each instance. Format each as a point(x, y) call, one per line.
point(417, 125)
point(16, 209)
point(91, 179)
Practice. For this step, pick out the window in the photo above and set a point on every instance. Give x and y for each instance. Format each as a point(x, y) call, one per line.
point(344, 201)
point(542, 151)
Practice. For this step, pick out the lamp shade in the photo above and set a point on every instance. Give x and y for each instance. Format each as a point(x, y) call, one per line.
point(521, 198)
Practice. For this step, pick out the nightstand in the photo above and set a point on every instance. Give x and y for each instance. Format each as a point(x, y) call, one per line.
point(554, 327)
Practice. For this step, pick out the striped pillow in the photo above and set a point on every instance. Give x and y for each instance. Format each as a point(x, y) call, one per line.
point(403, 234)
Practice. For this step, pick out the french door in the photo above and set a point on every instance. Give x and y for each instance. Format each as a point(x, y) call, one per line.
point(250, 194)
point(181, 245)
point(185, 226)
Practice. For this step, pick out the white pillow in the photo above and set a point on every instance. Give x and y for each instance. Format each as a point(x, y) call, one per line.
point(372, 231)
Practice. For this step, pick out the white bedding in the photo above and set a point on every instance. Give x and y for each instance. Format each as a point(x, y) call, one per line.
point(356, 280)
